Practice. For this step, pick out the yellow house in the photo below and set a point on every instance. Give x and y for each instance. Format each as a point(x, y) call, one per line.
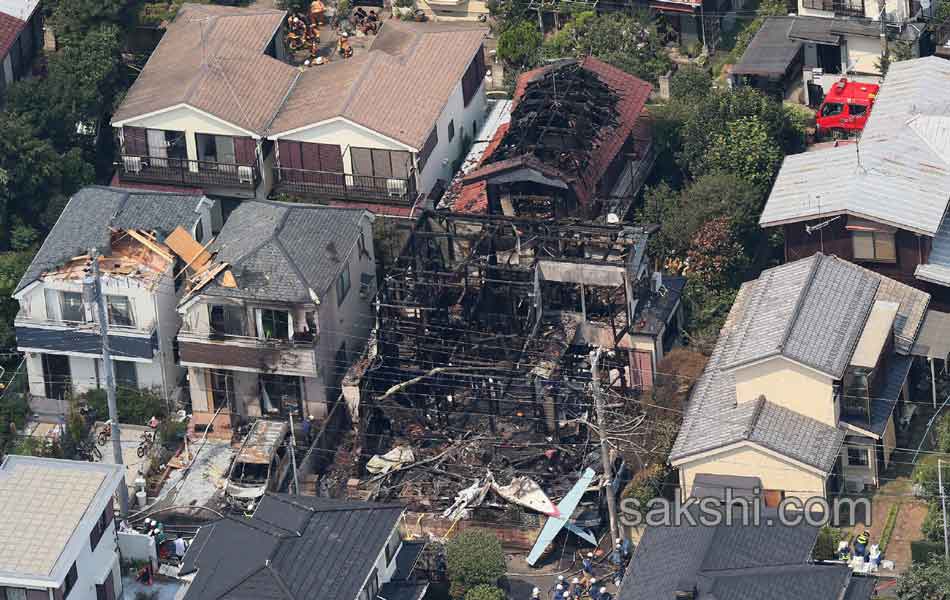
point(799, 394)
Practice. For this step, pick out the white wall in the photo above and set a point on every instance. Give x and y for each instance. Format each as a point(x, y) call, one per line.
point(188, 120)
point(789, 385)
point(94, 567)
point(895, 8)
point(863, 53)
point(463, 116)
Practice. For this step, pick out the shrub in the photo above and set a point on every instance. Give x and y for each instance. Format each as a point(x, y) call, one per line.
point(485, 592)
point(135, 407)
point(690, 82)
point(942, 430)
point(646, 485)
point(826, 546)
point(474, 558)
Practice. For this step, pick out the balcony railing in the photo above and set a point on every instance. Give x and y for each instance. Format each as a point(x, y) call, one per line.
point(298, 341)
point(344, 186)
point(188, 173)
point(139, 341)
point(273, 355)
point(137, 330)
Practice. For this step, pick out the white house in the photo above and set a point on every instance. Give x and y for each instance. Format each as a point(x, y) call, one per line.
point(57, 327)
point(271, 329)
point(57, 531)
point(217, 108)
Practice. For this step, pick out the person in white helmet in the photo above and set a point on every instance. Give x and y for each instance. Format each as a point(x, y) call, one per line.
point(577, 590)
point(558, 592)
point(535, 594)
point(560, 581)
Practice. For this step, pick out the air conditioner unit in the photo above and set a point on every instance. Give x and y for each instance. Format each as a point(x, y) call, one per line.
point(396, 187)
point(245, 174)
point(132, 164)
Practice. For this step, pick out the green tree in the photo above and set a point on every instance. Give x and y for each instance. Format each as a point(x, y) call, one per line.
point(690, 83)
point(746, 149)
point(485, 592)
point(519, 46)
point(826, 546)
point(136, 407)
point(628, 42)
point(12, 267)
point(718, 110)
point(473, 558)
point(71, 19)
point(929, 581)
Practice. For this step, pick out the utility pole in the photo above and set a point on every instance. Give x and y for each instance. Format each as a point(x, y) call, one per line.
point(943, 501)
point(604, 447)
point(94, 284)
point(293, 453)
point(882, 9)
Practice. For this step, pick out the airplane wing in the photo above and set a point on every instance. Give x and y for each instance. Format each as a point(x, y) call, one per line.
point(566, 508)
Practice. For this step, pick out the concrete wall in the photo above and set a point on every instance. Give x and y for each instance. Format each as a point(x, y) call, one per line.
point(789, 385)
point(138, 546)
point(863, 53)
point(775, 473)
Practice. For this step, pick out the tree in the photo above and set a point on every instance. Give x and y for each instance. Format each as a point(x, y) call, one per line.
point(136, 407)
point(826, 545)
point(12, 267)
point(71, 19)
point(744, 148)
point(628, 42)
point(928, 581)
point(519, 46)
point(690, 83)
point(718, 110)
point(473, 558)
point(485, 592)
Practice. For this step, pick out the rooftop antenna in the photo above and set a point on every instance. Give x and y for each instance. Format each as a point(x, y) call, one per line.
point(819, 227)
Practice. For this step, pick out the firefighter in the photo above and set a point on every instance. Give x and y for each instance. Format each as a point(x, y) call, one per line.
point(560, 581)
point(558, 593)
point(576, 589)
point(588, 565)
point(343, 47)
point(317, 12)
point(861, 544)
point(535, 594)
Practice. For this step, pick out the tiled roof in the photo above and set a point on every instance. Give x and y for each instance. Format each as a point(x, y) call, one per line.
point(285, 252)
point(903, 153)
point(10, 27)
point(735, 561)
point(89, 214)
point(633, 94)
point(398, 89)
point(42, 504)
point(212, 59)
point(293, 547)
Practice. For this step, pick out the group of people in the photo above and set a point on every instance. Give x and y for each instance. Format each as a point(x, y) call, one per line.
point(588, 586)
point(863, 549)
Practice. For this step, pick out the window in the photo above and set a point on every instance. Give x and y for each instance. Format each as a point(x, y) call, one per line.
point(120, 311)
point(392, 546)
point(71, 308)
point(343, 284)
point(70, 582)
point(380, 163)
point(222, 389)
point(875, 246)
point(451, 129)
point(105, 519)
point(818, 4)
point(13, 593)
point(273, 324)
point(361, 245)
point(215, 148)
point(280, 394)
point(227, 320)
point(858, 457)
point(857, 110)
point(431, 142)
point(831, 109)
point(126, 374)
point(472, 80)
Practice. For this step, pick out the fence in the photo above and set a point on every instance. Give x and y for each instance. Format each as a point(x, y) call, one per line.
point(325, 442)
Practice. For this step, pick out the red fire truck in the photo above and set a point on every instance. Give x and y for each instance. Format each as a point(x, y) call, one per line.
point(846, 107)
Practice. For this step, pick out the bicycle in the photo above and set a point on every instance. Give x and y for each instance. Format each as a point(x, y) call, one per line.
point(105, 434)
point(145, 444)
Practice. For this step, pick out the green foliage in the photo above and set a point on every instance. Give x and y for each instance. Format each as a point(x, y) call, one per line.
point(889, 525)
point(925, 581)
point(767, 8)
point(717, 111)
point(707, 306)
point(136, 407)
point(519, 45)
point(942, 430)
point(897, 51)
point(12, 267)
point(745, 148)
point(485, 592)
point(473, 558)
point(628, 42)
point(690, 83)
point(932, 527)
point(826, 546)
point(72, 19)
point(646, 485)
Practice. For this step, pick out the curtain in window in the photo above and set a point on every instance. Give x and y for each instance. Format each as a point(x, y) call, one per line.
point(157, 147)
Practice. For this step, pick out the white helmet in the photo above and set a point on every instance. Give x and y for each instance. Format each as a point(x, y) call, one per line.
point(590, 555)
point(560, 578)
point(603, 590)
point(575, 580)
point(535, 591)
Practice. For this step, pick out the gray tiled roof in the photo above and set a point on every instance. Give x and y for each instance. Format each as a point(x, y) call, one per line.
point(811, 311)
point(85, 222)
point(902, 154)
point(293, 547)
point(818, 306)
point(732, 562)
point(280, 251)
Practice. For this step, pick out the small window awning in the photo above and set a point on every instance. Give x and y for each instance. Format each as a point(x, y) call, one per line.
point(933, 341)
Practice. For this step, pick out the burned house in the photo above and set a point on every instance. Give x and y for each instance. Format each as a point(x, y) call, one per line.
point(480, 367)
point(575, 144)
point(274, 308)
point(57, 329)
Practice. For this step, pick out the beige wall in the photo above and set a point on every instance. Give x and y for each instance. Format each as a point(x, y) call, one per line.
point(863, 53)
point(188, 120)
point(790, 385)
point(749, 461)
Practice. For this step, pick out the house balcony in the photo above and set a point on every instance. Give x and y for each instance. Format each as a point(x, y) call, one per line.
point(244, 353)
point(325, 185)
point(40, 335)
point(188, 173)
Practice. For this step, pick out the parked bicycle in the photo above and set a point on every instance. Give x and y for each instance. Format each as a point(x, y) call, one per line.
point(105, 434)
point(145, 443)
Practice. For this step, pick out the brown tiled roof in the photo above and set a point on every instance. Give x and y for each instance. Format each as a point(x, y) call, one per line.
point(398, 88)
point(212, 59)
point(10, 27)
